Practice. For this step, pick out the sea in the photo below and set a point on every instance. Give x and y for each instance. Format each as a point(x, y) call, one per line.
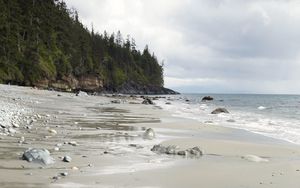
point(276, 116)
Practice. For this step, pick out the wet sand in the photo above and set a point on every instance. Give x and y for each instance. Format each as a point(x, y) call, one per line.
point(111, 151)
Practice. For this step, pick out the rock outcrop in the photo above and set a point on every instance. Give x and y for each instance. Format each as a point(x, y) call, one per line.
point(207, 98)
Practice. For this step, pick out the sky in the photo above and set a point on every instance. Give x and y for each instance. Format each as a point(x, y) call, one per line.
point(210, 46)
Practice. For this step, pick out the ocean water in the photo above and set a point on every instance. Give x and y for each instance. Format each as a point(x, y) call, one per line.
point(276, 116)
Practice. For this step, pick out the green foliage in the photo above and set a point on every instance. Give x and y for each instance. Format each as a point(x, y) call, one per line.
point(42, 39)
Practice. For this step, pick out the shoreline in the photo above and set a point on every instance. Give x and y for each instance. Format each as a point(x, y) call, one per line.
point(104, 132)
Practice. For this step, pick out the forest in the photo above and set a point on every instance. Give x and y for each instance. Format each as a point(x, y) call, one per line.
point(45, 40)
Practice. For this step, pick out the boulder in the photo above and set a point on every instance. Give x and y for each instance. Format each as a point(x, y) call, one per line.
point(173, 150)
point(207, 98)
point(149, 134)
point(195, 151)
point(37, 155)
point(147, 101)
point(220, 110)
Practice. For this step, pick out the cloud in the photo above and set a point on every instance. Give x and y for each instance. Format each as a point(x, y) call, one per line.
point(210, 45)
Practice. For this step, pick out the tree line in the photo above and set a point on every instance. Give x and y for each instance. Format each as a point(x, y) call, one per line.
point(43, 39)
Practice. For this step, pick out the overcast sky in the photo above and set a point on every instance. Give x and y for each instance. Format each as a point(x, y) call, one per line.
point(220, 46)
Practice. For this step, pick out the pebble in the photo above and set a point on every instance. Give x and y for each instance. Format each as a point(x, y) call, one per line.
point(73, 143)
point(67, 159)
point(52, 131)
point(56, 149)
point(64, 173)
point(75, 168)
point(15, 125)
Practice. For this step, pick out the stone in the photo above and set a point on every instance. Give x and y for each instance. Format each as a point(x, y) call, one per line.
point(73, 143)
point(37, 155)
point(148, 101)
point(67, 159)
point(183, 153)
point(195, 151)
point(81, 94)
point(15, 125)
point(149, 134)
point(168, 103)
point(52, 131)
point(116, 101)
point(207, 98)
point(173, 150)
point(220, 110)
point(64, 173)
point(56, 148)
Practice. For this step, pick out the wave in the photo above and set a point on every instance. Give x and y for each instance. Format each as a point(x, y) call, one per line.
point(274, 127)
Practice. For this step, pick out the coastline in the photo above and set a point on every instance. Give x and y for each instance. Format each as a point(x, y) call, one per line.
point(104, 131)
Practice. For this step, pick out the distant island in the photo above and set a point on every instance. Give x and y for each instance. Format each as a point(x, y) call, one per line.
point(44, 44)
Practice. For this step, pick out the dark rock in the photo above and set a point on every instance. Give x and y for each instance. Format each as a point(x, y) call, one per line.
point(183, 153)
point(148, 101)
point(207, 98)
point(149, 134)
point(67, 159)
point(220, 110)
point(38, 156)
point(116, 101)
point(168, 103)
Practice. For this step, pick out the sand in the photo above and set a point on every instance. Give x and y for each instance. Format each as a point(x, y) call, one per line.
point(111, 151)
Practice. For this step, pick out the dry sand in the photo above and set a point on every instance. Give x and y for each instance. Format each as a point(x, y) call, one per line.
point(103, 156)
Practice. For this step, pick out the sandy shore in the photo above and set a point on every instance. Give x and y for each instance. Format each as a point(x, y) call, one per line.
point(111, 152)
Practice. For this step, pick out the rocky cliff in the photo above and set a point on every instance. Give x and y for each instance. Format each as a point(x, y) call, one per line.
point(92, 83)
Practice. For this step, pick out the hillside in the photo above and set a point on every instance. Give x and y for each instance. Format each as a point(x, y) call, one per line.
point(44, 44)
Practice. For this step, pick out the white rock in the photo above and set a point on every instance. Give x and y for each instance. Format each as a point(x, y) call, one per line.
point(52, 131)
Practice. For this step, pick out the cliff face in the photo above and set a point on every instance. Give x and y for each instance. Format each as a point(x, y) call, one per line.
point(95, 84)
point(70, 83)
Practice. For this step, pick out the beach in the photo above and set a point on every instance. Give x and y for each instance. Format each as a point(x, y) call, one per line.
point(104, 136)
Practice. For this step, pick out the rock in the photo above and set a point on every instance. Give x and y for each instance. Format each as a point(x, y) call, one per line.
point(207, 98)
point(38, 156)
point(195, 151)
point(149, 134)
point(159, 149)
point(172, 150)
point(64, 173)
point(182, 153)
point(148, 101)
point(116, 101)
point(75, 168)
point(136, 146)
point(56, 148)
point(81, 94)
point(15, 125)
point(168, 103)
point(67, 159)
point(73, 143)
point(220, 110)
point(52, 131)
point(230, 120)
